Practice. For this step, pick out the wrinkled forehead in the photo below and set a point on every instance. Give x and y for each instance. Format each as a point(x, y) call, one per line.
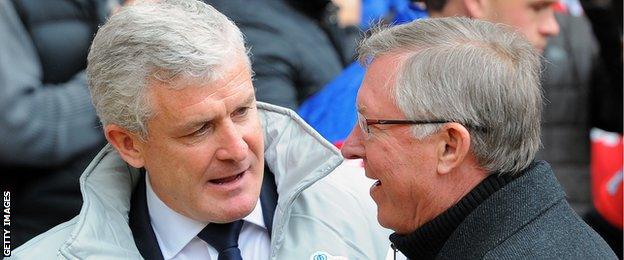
point(220, 69)
point(234, 80)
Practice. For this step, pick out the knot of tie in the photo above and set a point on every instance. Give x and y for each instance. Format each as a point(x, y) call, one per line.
point(224, 238)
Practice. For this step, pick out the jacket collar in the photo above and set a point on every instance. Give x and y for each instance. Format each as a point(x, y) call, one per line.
point(296, 154)
point(504, 213)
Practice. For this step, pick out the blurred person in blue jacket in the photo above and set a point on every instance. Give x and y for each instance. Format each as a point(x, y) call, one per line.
point(48, 128)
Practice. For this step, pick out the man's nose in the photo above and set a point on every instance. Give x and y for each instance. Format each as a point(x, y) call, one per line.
point(550, 26)
point(232, 145)
point(353, 148)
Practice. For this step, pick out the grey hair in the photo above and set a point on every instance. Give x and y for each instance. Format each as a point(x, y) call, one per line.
point(150, 41)
point(482, 75)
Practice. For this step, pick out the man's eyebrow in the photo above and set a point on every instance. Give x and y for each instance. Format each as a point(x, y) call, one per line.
point(361, 109)
point(197, 123)
point(250, 100)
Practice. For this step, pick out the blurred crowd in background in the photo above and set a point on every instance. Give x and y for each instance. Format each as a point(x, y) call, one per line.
point(303, 58)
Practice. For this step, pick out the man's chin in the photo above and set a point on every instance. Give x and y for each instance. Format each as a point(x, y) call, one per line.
point(395, 223)
point(232, 211)
point(539, 47)
point(384, 221)
point(540, 50)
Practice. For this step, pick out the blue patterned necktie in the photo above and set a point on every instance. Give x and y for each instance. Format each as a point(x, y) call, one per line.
point(224, 238)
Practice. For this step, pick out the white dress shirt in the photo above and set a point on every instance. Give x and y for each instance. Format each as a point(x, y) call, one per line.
point(177, 234)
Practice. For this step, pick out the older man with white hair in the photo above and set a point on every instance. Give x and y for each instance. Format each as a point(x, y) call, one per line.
point(448, 126)
point(196, 168)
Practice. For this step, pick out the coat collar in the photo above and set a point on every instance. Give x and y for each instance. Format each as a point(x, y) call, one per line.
point(296, 154)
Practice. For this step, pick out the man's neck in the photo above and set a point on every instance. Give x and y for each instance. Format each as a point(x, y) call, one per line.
point(462, 180)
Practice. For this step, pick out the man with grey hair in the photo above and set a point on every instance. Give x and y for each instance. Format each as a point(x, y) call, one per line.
point(196, 168)
point(450, 137)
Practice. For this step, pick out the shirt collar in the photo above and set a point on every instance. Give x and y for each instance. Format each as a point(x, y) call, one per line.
point(174, 231)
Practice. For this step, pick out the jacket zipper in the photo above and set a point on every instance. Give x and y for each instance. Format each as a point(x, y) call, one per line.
point(394, 249)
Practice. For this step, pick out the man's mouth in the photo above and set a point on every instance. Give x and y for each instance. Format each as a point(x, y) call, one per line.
point(377, 182)
point(375, 187)
point(228, 179)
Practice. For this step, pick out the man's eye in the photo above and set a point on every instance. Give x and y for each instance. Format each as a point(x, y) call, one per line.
point(541, 6)
point(203, 130)
point(240, 112)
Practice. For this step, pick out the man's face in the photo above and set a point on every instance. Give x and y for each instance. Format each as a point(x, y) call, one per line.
point(534, 18)
point(404, 166)
point(204, 151)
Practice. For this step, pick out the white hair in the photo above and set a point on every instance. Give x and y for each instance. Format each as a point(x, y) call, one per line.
point(482, 75)
point(149, 41)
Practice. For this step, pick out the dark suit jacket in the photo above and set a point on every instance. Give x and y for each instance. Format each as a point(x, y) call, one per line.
point(140, 224)
point(529, 219)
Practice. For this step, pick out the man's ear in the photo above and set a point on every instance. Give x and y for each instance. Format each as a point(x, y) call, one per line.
point(454, 148)
point(477, 8)
point(126, 143)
